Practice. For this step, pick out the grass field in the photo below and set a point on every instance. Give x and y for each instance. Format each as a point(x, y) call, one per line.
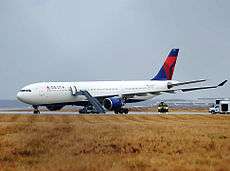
point(113, 142)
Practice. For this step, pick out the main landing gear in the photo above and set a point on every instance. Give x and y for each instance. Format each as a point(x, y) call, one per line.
point(36, 111)
point(121, 111)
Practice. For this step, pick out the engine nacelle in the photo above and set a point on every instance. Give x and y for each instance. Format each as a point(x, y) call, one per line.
point(113, 103)
point(54, 107)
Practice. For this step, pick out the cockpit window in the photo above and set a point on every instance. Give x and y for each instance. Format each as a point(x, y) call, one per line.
point(25, 90)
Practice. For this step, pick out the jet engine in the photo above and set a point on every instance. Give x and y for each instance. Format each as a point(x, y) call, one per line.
point(113, 103)
point(54, 107)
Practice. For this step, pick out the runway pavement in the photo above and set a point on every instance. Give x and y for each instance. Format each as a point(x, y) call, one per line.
point(108, 113)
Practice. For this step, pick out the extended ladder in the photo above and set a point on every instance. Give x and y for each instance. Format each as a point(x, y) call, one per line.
point(96, 104)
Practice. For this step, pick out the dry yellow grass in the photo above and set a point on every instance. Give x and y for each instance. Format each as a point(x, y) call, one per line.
point(112, 142)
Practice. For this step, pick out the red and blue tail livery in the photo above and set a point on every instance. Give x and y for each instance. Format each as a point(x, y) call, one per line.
point(167, 70)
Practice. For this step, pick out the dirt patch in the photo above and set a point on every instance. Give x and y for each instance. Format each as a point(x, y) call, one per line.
point(130, 142)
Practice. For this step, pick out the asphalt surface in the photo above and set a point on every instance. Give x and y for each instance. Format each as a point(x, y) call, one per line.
point(107, 113)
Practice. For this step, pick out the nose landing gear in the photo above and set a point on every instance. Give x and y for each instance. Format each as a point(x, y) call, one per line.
point(36, 111)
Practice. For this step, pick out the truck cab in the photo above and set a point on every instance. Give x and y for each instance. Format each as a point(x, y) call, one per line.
point(215, 109)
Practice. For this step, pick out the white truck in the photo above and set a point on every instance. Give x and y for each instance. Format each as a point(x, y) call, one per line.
point(221, 106)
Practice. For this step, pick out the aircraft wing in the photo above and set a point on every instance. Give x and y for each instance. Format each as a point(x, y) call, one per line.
point(185, 83)
point(171, 90)
point(202, 88)
point(195, 88)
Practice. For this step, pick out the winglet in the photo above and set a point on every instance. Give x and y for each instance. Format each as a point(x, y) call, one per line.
point(223, 83)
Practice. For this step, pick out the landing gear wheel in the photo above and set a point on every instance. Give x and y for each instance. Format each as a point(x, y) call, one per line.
point(36, 111)
point(126, 111)
point(122, 111)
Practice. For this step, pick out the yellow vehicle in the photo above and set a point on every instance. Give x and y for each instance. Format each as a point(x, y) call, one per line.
point(163, 107)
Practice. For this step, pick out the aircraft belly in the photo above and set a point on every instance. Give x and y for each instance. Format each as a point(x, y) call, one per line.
point(53, 98)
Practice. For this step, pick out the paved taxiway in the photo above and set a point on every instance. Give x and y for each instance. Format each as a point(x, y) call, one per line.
point(109, 113)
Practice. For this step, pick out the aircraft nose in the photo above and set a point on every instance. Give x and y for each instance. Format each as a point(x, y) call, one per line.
point(22, 97)
point(19, 96)
point(25, 95)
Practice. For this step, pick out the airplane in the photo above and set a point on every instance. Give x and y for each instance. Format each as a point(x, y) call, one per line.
point(109, 95)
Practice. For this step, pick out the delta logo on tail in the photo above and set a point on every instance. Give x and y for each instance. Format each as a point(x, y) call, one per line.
point(167, 70)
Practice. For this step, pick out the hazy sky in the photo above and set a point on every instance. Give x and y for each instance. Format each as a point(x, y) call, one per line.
point(56, 40)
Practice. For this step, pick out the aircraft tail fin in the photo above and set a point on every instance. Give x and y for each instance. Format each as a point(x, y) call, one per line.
point(167, 70)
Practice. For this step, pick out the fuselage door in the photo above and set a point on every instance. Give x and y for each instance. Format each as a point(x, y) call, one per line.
point(73, 90)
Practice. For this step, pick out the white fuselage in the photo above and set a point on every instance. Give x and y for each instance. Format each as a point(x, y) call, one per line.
point(46, 93)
